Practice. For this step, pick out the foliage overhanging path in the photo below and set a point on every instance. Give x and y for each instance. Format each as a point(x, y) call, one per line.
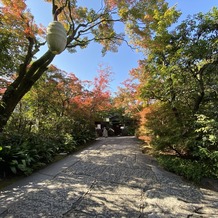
point(82, 25)
point(110, 178)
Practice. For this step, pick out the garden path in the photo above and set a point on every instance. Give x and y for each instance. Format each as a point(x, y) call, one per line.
point(111, 178)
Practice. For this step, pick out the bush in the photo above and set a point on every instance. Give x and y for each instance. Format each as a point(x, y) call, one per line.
point(191, 170)
point(166, 132)
point(207, 143)
point(82, 132)
point(14, 156)
point(22, 154)
point(193, 142)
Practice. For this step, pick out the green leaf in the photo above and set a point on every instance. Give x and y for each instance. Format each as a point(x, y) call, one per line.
point(23, 162)
point(14, 162)
point(13, 169)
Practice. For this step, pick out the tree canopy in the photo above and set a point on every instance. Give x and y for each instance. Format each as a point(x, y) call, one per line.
point(177, 81)
point(172, 94)
point(83, 25)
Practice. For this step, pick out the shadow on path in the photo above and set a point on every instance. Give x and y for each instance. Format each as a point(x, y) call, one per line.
point(112, 178)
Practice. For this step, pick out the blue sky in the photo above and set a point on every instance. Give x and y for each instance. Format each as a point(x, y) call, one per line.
point(84, 63)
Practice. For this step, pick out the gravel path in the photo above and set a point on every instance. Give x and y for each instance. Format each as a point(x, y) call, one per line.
point(112, 178)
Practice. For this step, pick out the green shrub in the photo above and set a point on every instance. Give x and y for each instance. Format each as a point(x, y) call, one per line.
point(167, 132)
point(68, 143)
point(22, 153)
point(191, 170)
point(15, 156)
point(207, 143)
point(193, 142)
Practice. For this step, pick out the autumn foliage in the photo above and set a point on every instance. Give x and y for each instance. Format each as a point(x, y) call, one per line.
point(176, 83)
point(172, 94)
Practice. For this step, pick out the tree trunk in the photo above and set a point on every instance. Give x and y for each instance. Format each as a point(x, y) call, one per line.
point(21, 85)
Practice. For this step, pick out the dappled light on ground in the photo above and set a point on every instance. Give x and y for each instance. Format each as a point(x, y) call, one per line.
point(112, 178)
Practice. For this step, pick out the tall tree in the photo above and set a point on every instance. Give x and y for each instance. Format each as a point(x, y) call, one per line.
point(59, 99)
point(188, 56)
point(181, 75)
point(95, 97)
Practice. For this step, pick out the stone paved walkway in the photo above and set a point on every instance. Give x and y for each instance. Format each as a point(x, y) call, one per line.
point(112, 178)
